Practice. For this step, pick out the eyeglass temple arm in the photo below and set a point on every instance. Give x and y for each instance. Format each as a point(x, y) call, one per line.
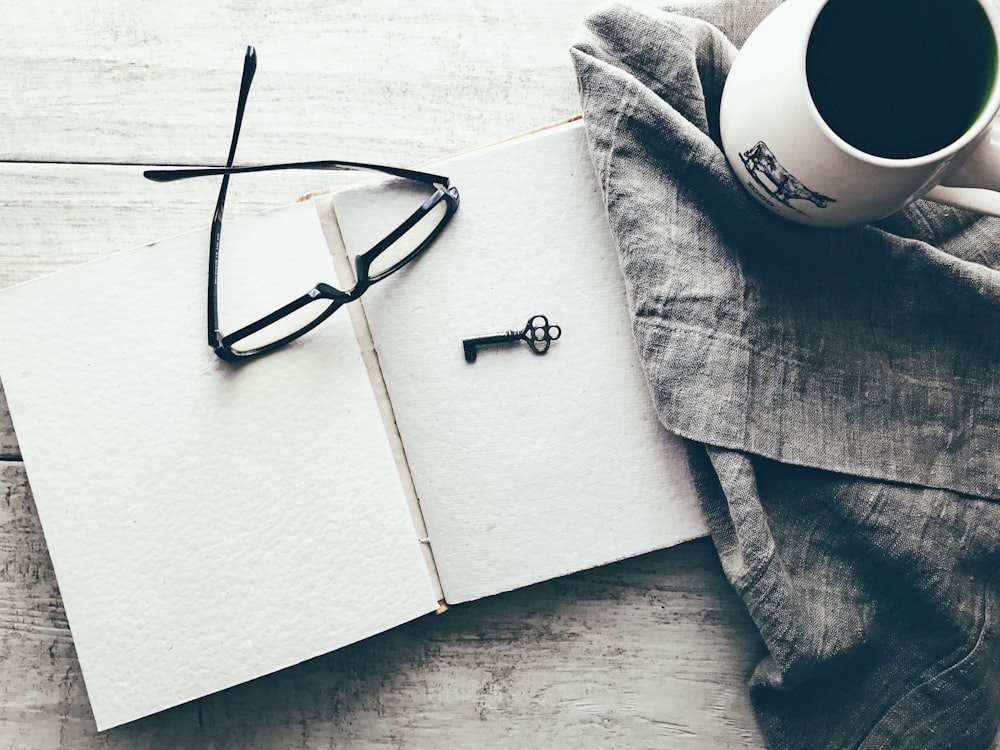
point(249, 68)
point(170, 175)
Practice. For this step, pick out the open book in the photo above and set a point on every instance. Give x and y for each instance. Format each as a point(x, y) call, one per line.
point(211, 523)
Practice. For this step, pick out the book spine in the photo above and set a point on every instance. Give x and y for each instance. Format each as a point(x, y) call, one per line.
point(366, 344)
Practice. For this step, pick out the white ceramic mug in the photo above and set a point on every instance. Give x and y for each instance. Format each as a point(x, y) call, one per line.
point(840, 112)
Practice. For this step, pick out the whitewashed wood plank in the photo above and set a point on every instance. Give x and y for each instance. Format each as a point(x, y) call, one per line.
point(123, 82)
point(115, 81)
point(651, 652)
point(9, 449)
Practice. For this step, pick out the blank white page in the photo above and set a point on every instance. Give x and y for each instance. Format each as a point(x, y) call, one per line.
point(527, 467)
point(208, 523)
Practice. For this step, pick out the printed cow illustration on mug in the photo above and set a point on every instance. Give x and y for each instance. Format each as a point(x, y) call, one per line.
point(777, 181)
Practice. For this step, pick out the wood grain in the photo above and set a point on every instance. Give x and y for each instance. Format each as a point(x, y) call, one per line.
point(120, 82)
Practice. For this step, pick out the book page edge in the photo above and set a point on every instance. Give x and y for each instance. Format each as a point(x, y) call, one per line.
point(331, 230)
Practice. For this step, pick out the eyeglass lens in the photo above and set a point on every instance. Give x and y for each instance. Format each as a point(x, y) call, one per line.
point(284, 327)
point(414, 239)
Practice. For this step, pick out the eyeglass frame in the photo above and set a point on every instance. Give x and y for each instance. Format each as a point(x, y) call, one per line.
point(221, 344)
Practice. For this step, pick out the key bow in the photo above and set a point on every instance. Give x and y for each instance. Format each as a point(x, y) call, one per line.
point(540, 334)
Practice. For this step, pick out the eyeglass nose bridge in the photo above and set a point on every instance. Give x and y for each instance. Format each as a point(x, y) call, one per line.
point(326, 291)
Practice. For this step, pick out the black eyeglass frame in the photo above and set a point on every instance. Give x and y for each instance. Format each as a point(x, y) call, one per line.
point(223, 344)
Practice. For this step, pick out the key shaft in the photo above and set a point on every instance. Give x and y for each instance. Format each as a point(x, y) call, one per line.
point(469, 346)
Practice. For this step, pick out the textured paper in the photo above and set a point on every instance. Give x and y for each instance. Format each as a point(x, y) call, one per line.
point(527, 467)
point(208, 523)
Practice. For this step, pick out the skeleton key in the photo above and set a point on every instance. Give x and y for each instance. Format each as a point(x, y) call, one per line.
point(538, 333)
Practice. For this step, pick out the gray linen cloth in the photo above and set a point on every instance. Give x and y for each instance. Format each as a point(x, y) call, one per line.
point(840, 390)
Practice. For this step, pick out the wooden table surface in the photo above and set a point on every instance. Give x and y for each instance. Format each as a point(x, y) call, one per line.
point(650, 652)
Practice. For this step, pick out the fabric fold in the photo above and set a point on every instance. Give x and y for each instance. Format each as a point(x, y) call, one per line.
point(885, 334)
point(839, 386)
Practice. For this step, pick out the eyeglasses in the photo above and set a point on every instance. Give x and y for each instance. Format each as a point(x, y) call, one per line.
point(398, 248)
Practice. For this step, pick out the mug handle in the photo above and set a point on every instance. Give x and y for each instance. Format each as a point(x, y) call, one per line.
point(974, 183)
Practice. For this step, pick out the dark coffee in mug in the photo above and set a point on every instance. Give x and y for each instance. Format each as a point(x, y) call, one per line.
point(901, 78)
